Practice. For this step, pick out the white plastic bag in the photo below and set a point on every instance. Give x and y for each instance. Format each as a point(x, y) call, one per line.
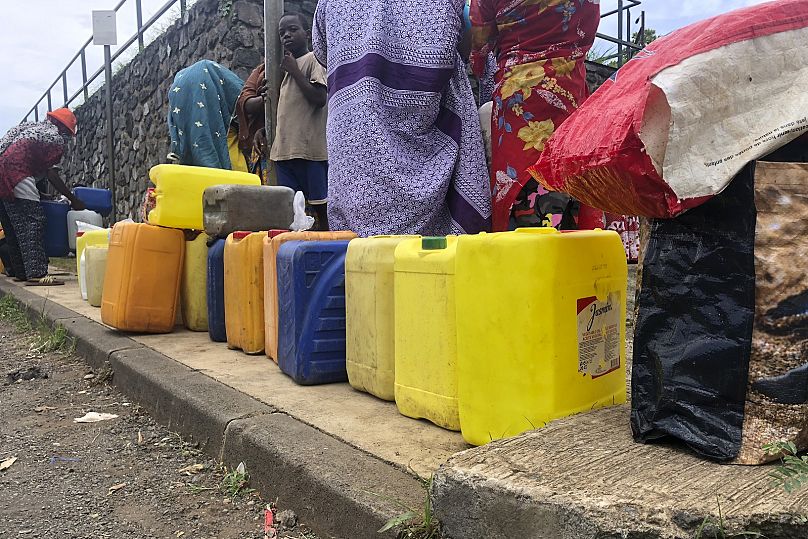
point(302, 221)
point(81, 226)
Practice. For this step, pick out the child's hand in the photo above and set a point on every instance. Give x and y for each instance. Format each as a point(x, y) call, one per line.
point(262, 90)
point(289, 63)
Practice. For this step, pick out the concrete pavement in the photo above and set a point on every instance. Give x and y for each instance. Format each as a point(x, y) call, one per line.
point(344, 460)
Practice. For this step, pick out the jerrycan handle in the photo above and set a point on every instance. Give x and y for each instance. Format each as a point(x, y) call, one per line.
point(433, 243)
point(544, 230)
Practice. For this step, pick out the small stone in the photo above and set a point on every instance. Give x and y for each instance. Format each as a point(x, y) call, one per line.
point(287, 519)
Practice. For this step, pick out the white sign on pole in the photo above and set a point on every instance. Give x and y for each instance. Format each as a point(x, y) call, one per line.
point(105, 31)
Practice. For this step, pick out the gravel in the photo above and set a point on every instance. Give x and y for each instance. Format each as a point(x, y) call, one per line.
point(116, 478)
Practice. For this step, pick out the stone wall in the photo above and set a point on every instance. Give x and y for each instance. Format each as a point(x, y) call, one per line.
point(230, 36)
point(230, 33)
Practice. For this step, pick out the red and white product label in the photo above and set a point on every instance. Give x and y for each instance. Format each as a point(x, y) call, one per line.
point(599, 335)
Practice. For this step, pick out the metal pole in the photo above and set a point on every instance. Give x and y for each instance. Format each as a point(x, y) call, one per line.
point(110, 137)
point(620, 33)
point(84, 75)
point(642, 30)
point(50, 105)
point(64, 86)
point(139, 9)
point(630, 54)
point(273, 11)
point(36, 113)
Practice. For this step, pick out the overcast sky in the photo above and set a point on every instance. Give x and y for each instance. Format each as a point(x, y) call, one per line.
point(39, 37)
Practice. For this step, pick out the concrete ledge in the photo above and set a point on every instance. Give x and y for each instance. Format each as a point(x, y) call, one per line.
point(339, 491)
point(94, 342)
point(187, 401)
point(36, 306)
point(585, 478)
point(311, 470)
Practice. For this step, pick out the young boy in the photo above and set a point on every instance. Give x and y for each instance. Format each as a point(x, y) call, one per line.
point(299, 150)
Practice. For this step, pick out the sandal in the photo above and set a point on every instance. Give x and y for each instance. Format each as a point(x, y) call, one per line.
point(48, 280)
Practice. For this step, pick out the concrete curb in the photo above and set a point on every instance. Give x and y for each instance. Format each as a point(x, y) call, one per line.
point(338, 490)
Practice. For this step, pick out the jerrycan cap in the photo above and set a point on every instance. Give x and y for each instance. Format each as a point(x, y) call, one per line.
point(79, 233)
point(276, 232)
point(433, 243)
point(241, 234)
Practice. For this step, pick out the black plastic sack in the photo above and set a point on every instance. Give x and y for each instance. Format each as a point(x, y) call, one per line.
point(693, 333)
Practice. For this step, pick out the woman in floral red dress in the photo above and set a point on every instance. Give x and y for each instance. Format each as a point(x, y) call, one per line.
point(541, 47)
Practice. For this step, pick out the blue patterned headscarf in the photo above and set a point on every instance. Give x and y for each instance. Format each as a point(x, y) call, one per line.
point(201, 103)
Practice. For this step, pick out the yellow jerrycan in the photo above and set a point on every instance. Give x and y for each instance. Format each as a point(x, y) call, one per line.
point(425, 331)
point(369, 305)
point(87, 238)
point(541, 328)
point(180, 189)
point(95, 257)
point(244, 291)
point(194, 287)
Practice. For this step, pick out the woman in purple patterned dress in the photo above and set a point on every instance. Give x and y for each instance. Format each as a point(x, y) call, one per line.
point(405, 150)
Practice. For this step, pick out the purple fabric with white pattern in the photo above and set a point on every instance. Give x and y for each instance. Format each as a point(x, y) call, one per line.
point(405, 150)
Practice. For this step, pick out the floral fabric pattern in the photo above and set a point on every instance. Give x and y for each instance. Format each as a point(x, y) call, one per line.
point(541, 47)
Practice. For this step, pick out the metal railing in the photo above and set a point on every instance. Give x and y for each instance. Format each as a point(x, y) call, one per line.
point(626, 46)
point(81, 56)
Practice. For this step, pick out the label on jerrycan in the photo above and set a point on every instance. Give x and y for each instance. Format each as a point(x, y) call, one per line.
point(599, 335)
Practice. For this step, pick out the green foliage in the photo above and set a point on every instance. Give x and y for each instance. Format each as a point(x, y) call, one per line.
point(236, 482)
point(649, 34)
point(414, 523)
point(602, 54)
point(711, 529)
point(47, 338)
point(607, 55)
point(792, 473)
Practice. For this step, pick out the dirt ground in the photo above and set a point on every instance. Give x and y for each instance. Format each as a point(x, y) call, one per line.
point(117, 478)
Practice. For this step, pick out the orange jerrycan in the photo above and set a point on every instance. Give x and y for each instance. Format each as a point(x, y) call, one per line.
point(244, 291)
point(272, 244)
point(369, 305)
point(425, 331)
point(541, 328)
point(142, 280)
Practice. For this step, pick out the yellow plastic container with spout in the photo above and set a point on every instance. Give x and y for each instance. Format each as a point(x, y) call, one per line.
point(541, 328)
point(425, 331)
point(179, 192)
point(95, 264)
point(90, 237)
point(370, 315)
point(272, 244)
point(244, 291)
point(142, 281)
point(194, 287)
